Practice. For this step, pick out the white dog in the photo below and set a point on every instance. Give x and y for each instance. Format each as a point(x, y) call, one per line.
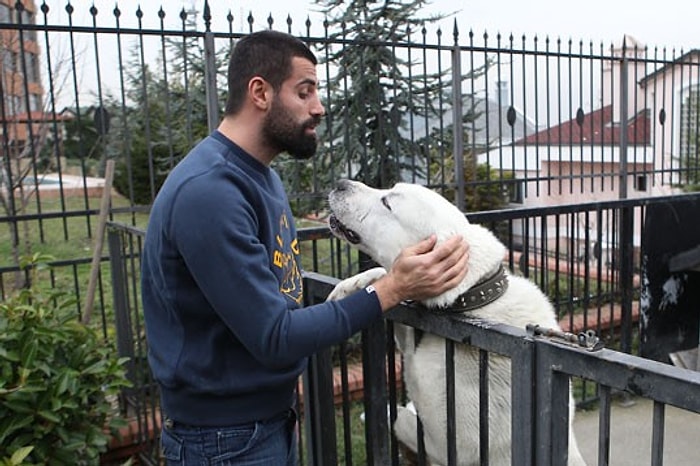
point(383, 222)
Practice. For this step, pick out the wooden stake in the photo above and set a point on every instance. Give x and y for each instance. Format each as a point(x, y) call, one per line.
point(99, 239)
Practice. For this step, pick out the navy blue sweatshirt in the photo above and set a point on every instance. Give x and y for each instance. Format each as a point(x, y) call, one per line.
point(222, 292)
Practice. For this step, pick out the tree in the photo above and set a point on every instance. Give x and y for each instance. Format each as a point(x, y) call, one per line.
point(485, 187)
point(137, 141)
point(370, 97)
point(28, 127)
point(167, 117)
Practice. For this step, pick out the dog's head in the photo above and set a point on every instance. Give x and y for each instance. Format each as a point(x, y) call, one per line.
point(382, 222)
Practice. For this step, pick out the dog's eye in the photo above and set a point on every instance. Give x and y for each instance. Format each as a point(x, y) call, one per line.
point(385, 201)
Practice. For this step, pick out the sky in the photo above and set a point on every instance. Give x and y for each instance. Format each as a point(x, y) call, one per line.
point(667, 23)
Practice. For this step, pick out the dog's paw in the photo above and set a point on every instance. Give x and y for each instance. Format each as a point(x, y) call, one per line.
point(406, 425)
point(356, 282)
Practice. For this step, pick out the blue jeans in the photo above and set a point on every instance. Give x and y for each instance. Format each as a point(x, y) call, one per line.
point(271, 442)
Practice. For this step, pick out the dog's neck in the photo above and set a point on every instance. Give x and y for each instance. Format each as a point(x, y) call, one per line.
point(484, 292)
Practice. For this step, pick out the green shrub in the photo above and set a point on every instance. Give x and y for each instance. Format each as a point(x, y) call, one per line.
point(56, 379)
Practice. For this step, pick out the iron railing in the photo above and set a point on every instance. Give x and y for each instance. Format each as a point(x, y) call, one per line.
point(557, 122)
point(538, 422)
point(581, 137)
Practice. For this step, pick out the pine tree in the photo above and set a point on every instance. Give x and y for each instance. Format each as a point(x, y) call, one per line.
point(371, 95)
point(168, 115)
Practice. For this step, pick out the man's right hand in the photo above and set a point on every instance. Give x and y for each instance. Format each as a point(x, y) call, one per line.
point(424, 271)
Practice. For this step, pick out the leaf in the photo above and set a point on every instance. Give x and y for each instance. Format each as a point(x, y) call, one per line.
point(74, 445)
point(29, 351)
point(49, 416)
point(65, 380)
point(118, 423)
point(19, 407)
point(12, 356)
point(95, 368)
point(7, 428)
point(19, 455)
point(24, 374)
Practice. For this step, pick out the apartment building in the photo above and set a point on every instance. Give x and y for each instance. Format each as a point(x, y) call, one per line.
point(21, 105)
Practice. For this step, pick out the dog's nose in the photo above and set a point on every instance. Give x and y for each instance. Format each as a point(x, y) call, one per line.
point(342, 185)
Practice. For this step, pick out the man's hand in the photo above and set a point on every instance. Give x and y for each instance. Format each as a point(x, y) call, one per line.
point(424, 271)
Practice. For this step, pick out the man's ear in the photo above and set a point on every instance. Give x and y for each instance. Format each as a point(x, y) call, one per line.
point(260, 92)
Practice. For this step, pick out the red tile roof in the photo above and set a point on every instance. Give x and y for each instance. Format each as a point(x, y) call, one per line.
point(597, 127)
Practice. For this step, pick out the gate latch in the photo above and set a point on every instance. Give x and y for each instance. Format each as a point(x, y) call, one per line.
point(587, 340)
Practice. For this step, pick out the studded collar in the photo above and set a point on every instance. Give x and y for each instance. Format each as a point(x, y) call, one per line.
point(484, 292)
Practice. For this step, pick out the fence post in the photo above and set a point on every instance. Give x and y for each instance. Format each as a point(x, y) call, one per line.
point(210, 72)
point(125, 347)
point(626, 214)
point(319, 409)
point(626, 276)
point(457, 124)
point(552, 401)
point(376, 397)
point(624, 124)
point(523, 396)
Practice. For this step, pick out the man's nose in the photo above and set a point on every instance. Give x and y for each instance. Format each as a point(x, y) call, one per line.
point(318, 109)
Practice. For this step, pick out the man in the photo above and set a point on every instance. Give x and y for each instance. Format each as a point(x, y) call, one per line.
point(220, 271)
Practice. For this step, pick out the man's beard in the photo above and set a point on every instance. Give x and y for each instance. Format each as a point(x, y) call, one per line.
point(282, 132)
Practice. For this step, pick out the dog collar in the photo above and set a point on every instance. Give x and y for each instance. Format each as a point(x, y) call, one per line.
point(481, 294)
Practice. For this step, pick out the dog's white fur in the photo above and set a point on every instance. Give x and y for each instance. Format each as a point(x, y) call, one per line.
point(383, 222)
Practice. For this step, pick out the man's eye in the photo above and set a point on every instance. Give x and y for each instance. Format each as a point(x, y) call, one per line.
point(385, 201)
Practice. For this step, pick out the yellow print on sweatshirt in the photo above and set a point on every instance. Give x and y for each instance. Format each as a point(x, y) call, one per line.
point(285, 258)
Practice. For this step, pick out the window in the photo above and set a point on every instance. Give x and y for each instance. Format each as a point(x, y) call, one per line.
point(28, 18)
point(16, 105)
point(689, 134)
point(640, 182)
point(32, 66)
point(516, 190)
point(35, 103)
point(5, 16)
point(34, 62)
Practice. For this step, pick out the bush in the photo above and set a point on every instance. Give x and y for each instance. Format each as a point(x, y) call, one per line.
point(56, 378)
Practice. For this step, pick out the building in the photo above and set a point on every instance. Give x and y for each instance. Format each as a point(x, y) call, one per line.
point(643, 145)
point(583, 159)
point(21, 106)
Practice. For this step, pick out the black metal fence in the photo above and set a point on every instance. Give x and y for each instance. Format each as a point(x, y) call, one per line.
point(489, 121)
point(581, 137)
point(586, 288)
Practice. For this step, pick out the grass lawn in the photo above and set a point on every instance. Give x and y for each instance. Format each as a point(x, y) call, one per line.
point(69, 235)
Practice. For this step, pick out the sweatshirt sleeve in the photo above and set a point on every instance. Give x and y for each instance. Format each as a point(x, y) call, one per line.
point(217, 237)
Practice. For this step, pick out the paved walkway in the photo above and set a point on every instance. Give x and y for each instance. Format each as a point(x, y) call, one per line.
point(631, 435)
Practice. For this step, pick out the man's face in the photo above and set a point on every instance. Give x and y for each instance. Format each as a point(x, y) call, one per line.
point(290, 125)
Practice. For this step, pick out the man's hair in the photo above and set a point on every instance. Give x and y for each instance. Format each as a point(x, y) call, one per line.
point(267, 54)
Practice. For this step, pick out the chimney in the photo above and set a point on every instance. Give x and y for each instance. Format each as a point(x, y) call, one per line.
point(503, 94)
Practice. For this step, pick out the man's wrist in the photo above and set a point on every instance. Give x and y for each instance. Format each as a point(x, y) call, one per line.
point(387, 292)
